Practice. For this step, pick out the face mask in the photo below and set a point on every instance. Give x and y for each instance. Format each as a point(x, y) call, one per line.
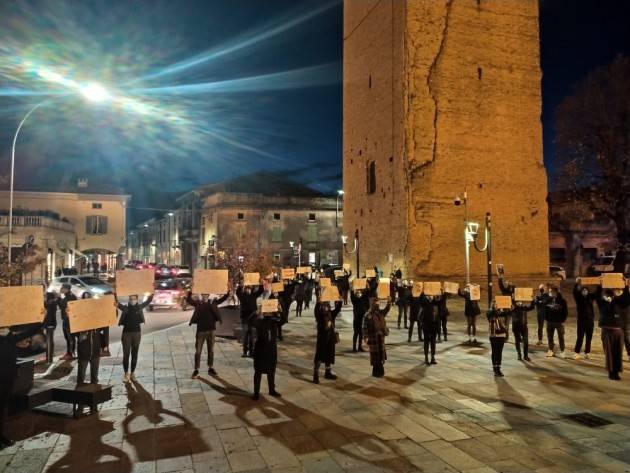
point(4, 331)
point(382, 304)
point(248, 290)
point(133, 301)
point(205, 297)
point(584, 293)
point(608, 298)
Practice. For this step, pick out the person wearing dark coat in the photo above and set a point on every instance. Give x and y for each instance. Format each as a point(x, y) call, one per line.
point(430, 325)
point(205, 316)
point(360, 305)
point(556, 314)
point(585, 319)
point(540, 301)
point(308, 292)
point(415, 316)
point(372, 284)
point(375, 329)
point(325, 317)
point(343, 283)
point(471, 311)
point(286, 299)
point(71, 343)
point(88, 352)
point(498, 332)
point(519, 328)
point(9, 372)
point(50, 324)
point(611, 307)
point(403, 293)
point(247, 297)
point(299, 295)
point(506, 288)
point(131, 317)
point(266, 350)
point(443, 313)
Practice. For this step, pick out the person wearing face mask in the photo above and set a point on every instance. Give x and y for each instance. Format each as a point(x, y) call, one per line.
point(403, 293)
point(519, 328)
point(205, 316)
point(266, 350)
point(540, 300)
point(360, 305)
point(443, 314)
point(325, 317)
point(415, 316)
point(430, 325)
point(498, 332)
point(71, 342)
point(247, 297)
point(611, 307)
point(284, 304)
point(471, 311)
point(308, 291)
point(131, 317)
point(556, 314)
point(585, 318)
point(298, 295)
point(375, 329)
point(50, 324)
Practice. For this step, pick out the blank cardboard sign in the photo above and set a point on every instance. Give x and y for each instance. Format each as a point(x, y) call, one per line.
point(339, 273)
point(346, 266)
point(590, 281)
point(503, 302)
point(330, 294)
point(277, 287)
point(21, 305)
point(210, 281)
point(359, 284)
point(432, 288)
point(613, 281)
point(370, 273)
point(90, 314)
point(523, 294)
point(304, 270)
point(416, 290)
point(135, 283)
point(324, 282)
point(269, 305)
point(382, 291)
point(451, 287)
point(287, 273)
point(475, 292)
point(251, 279)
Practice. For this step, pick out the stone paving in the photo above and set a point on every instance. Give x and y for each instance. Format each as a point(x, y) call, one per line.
point(451, 417)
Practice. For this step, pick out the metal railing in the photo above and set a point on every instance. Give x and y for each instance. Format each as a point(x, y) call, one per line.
point(37, 221)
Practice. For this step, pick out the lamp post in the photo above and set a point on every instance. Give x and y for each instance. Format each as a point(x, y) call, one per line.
point(297, 250)
point(339, 196)
point(472, 232)
point(355, 250)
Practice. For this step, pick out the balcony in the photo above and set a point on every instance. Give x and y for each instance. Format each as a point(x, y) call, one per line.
point(36, 221)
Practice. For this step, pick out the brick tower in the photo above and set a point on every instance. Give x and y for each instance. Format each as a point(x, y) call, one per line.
point(439, 96)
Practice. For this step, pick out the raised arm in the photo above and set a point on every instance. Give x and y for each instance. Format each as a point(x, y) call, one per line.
point(147, 302)
point(222, 299)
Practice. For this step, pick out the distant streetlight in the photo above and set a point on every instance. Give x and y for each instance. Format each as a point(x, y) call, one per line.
point(340, 193)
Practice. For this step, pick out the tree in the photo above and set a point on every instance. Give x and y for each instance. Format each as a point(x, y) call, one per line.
point(25, 260)
point(593, 146)
point(247, 255)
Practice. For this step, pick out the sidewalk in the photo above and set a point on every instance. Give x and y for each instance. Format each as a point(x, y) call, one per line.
point(452, 417)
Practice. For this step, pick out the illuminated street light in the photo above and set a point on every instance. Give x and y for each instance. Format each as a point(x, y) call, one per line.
point(355, 250)
point(339, 196)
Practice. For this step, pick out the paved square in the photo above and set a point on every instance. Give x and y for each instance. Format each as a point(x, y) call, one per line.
point(452, 417)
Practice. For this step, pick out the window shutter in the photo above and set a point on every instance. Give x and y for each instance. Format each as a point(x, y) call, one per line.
point(103, 226)
point(88, 225)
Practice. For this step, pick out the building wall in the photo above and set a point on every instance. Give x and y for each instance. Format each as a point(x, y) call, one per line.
point(468, 85)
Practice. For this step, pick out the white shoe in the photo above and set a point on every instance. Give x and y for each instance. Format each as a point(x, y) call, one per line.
point(563, 355)
point(550, 354)
point(133, 377)
point(577, 356)
point(587, 356)
point(126, 378)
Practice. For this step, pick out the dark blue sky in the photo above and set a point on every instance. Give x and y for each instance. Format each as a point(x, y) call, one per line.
point(290, 121)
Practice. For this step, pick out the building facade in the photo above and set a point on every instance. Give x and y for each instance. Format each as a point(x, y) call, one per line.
point(440, 97)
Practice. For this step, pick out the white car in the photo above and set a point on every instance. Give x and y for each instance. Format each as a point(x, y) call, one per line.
point(558, 271)
point(81, 286)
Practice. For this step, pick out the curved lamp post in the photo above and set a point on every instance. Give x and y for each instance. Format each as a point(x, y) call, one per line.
point(355, 249)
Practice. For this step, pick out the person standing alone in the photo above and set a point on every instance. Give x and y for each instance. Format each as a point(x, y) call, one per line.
point(131, 317)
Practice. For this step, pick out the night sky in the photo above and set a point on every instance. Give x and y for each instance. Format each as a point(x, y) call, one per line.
point(207, 90)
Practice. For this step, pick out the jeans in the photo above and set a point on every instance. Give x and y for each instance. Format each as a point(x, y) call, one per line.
point(82, 368)
point(584, 328)
point(442, 328)
point(403, 310)
point(411, 322)
point(551, 328)
point(521, 334)
point(200, 339)
point(471, 325)
point(131, 345)
point(497, 344)
point(271, 381)
point(50, 344)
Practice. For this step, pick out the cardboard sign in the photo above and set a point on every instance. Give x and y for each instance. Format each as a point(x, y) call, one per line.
point(287, 273)
point(269, 305)
point(324, 282)
point(210, 281)
point(304, 270)
point(523, 294)
point(475, 292)
point(90, 314)
point(339, 273)
point(135, 283)
point(451, 287)
point(503, 302)
point(432, 288)
point(416, 290)
point(277, 287)
point(382, 291)
point(330, 294)
point(346, 266)
point(359, 284)
point(251, 279)
point(21, 305)
point(370, 273)
point(590, 281)
point(613, 281)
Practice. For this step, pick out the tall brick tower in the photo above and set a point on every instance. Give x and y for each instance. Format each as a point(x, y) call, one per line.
point(439, 96)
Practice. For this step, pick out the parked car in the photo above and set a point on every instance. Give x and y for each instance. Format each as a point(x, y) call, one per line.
point(162, 271)
point(604, 264)
point(81, 286)
point(171, 294)
point(134, 264)
point(181, 271)
point(558, 272)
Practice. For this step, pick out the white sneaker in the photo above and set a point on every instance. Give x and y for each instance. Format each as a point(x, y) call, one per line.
point(587, 356)
point(576, 356)
point(126, 378)
point(550, 354)
point(563, 355)
point(133, 377)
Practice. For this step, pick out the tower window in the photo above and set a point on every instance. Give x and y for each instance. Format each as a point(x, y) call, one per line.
point(371, 177)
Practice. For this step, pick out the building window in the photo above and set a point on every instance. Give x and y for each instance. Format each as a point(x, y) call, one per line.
point(240, 216)
point(97, 205)
point(276, 216)
point(276, 257)
point(276, 234)
point(312, 257)
point(557, 255)
point(95, 225)
point(311, 233)
point(371, 177)
point(312, 218)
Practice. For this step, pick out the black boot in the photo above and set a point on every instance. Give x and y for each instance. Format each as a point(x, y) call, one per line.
point(426, 361)
point(316, 376)
point(329, 374)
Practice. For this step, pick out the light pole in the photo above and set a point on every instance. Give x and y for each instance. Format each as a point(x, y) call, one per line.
point(463, 199)
point(355, 250)
point(339, 196)
point(472, 232)
point(297, 250)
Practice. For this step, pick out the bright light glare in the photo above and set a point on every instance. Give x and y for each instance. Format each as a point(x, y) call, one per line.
point(95, 93)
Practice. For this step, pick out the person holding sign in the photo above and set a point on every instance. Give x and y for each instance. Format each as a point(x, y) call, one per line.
point(50, 324)
point(375, 329)
point(498, 332)
point(540, 301)
point(71, 342)
point(266, 350)
point(299, 295)
point(132, 315)
point(519, 328)
point(415, 315)
point(613, 304)
point(247, 296)
point(325, 317)
point(556, 314)
point(403, 292)
point(360, 305)
point(430, 325)
point(471, 311)
point(585, 318)
point(205, 316)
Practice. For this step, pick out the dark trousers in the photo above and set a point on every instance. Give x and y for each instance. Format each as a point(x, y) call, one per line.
point(626, 336)
point(299, 303)
point(50, 344)
point(521, 335)
point(82, 368)
point(430, 331)
point(206, 338)
point(551, 328)
point(612, 340)
point(411, 323)
point(5, 393)
point(403, 311)
point(344, 296)
point(131, 345)
point(378, 369)
point(104, 337)
point(248, 338)
point(307, 302)
point(584, 329)
point(497, 344)
point(357, 335)
point(271, 380)
point(471, 325)
point(71, 342)
point(441, 331)
point(540, 315)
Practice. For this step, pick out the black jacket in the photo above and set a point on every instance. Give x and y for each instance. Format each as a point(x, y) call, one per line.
point(505, 290)
point(248, 301)
point(266, 345)
point(556, 309)
point(132, 315)
point(611, 313)
point(206, 314)
point(471, 308)
point(584, 304)
point(63, 305)
point(50, 320)
point(415, 307)
point(360, 304)
point(430, 311)
point(519, 313)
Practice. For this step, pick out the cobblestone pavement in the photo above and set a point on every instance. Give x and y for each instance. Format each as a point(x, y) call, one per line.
point(451, 417)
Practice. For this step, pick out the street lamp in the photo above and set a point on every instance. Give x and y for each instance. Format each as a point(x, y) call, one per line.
point(355, 249)
point(297, 250)
point(339, 196)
